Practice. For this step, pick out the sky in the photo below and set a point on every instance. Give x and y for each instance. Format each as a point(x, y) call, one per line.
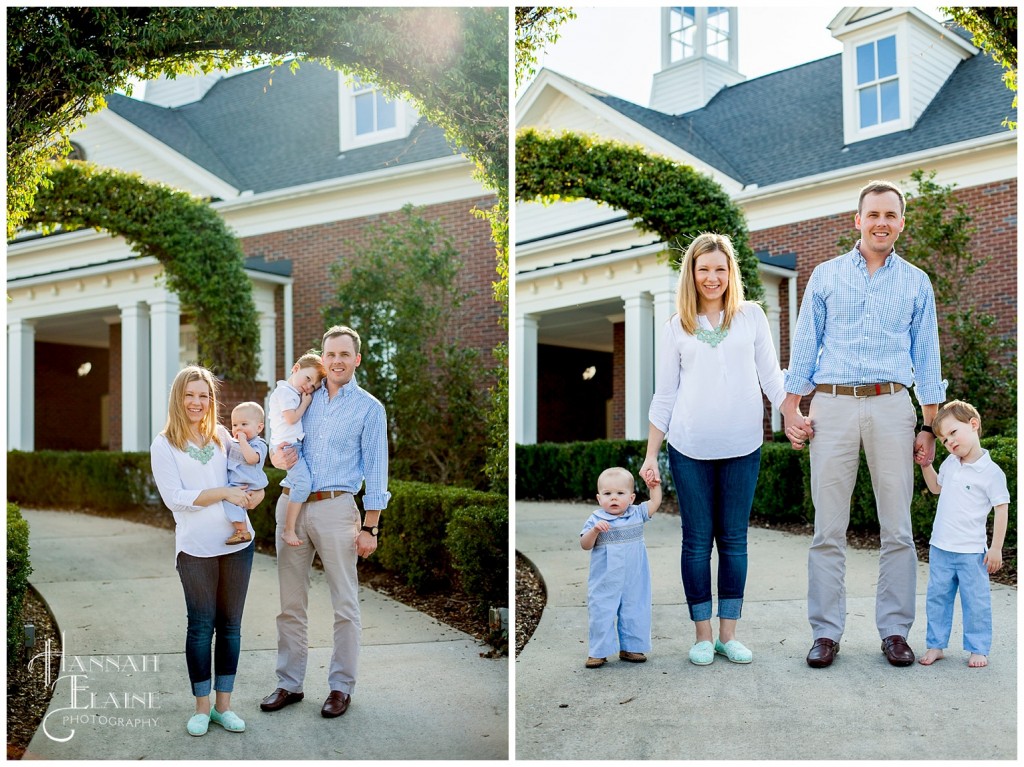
point(618, 50)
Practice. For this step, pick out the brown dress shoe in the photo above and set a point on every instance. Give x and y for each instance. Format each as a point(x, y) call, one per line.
point(632, 657)
point(897, 651)
point(822, 653)
point(239, 536)
point(280, 698)
point(336, 704)
point(594, 662)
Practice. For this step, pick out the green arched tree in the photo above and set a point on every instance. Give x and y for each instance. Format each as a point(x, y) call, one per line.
point(202, 260)
point(663, 197)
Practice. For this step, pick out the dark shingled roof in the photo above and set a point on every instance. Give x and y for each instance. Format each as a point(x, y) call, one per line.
point(789, 124)
point(262, 135)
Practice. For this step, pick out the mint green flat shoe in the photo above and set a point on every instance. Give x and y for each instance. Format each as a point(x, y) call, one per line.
point(734, 651)
point(229, 720)
point(198, 724)
point(702, 654)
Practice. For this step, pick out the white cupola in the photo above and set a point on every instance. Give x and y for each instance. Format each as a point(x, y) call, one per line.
point(699, 57)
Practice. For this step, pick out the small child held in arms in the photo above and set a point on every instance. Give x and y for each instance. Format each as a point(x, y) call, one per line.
point(619, 587)
point(969, 485)
point(287, 404)
point(246, 455)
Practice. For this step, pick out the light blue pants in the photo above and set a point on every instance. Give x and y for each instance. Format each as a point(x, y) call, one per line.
point(948, 571)
point(619, 599)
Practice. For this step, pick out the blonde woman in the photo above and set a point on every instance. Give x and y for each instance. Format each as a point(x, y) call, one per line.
point(716, 358)
point(189, 460)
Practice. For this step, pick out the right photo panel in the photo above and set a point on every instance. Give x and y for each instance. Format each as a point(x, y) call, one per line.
point(763, 374)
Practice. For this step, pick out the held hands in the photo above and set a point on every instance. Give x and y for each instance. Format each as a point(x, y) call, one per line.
point(799, 429)
point(924, 450)
point(649, 472)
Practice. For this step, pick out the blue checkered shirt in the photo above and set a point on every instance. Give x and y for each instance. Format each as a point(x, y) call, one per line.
point(346, 442)
point(856, 329)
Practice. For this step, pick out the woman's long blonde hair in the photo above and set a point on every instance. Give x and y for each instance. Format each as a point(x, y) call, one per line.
point(178, 430)
point(686, 291)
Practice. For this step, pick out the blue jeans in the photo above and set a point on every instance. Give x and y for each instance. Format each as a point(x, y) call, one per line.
point(947, 571)
point(714, 497)
point(214, 597)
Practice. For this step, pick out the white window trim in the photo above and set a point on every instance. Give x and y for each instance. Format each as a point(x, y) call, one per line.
point(405, 119)
point(852, 132)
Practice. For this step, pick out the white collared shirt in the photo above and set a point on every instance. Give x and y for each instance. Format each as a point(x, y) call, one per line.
point(969, 491)
point(707, 399)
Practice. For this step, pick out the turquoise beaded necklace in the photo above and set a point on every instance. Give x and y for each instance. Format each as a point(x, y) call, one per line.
point(714, 336)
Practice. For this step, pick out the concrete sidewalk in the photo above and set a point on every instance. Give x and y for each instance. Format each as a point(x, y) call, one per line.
point(775, 708)
point(424, 692)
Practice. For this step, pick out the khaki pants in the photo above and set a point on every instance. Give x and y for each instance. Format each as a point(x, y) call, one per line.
point(884, 425)
point(328, 528)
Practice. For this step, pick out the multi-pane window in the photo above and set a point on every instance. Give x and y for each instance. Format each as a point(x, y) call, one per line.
point(878, 87)
point(718, 33)
point(373, 110)
point(683, 33)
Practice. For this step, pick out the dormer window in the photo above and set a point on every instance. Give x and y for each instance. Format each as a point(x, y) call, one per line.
point(373, 111)
point(367, 116)
point(878, 86)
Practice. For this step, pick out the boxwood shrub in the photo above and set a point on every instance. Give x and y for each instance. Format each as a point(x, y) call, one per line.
point(18, 570)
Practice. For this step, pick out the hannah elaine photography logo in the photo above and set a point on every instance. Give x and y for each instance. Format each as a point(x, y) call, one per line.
point(122, 708)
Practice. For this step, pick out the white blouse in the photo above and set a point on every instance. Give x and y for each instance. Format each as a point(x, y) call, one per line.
point(707, 399)
point(180, 478)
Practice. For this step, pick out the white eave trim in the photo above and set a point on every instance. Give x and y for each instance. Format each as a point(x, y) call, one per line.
point(651, 140)
point(945, 152)
point(344, 183)
point(202, 177)
point(601, 260)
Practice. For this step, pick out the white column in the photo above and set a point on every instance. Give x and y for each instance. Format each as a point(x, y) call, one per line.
point(664, 308)
point(135, 391)
point(774, 313)
point(165, 339)
point(268, 348)
point(21, 395)
point(525, 394)
point(639, 340)
point(289, 331)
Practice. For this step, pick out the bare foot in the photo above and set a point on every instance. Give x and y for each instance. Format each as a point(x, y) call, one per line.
point(290, 538)
point(930, 657)
point(977, 661)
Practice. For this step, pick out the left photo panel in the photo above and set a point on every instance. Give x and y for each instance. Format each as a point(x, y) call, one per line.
point(257, 375)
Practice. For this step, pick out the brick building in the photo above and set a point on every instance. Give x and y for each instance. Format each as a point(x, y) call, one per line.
point(792, 148)
point(300, 166)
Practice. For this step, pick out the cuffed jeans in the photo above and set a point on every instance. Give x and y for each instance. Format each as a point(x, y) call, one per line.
point(884, 425)
point(328, 528)
point(215, 590)
point(948, 571)
point(715, 497)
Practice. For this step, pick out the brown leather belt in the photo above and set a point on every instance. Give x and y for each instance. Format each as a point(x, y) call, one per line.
point(323, 495)
point(861, 390)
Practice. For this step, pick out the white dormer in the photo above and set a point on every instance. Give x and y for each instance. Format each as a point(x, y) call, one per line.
point(368, 117)
point(895, 60)
point(699, 57)
point(165, 92)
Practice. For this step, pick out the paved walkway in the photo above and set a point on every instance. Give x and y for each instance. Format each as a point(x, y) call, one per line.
point(424, 692)
point(775, 708)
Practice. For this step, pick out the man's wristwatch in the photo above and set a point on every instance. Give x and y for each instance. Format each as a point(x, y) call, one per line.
point(371, 529)
point(928, 429)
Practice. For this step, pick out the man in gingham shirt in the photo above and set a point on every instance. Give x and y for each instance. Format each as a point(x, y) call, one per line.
point(866, 332)
point(345, 442)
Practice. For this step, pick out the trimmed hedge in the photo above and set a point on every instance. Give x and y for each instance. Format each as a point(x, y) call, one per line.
point(18, 570)
point(417, 539)
point(569, 472)
point(478, 541)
